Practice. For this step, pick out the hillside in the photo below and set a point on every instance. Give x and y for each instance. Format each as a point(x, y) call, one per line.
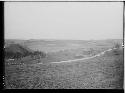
point(13, 49)
point(102, 72)
point(17, 48)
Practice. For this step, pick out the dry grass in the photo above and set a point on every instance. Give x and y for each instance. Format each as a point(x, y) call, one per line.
point(101, 72)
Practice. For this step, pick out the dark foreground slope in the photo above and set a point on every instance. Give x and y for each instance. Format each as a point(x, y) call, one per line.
point(17, 48)
point(101, 72)
point(12, 49)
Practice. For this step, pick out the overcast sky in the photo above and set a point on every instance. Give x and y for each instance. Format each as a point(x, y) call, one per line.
point(64, 20)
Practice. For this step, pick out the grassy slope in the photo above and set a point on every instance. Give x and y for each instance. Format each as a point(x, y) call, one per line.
point(100, 72)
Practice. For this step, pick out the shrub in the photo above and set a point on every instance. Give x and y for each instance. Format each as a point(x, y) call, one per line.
point(117, 45)
point(91, 51)
point(18, 55)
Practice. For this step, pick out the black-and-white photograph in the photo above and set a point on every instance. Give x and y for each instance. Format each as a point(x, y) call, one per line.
point(63, 45)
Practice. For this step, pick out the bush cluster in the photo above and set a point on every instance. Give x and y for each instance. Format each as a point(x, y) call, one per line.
point(117, 45)
point(18, 55)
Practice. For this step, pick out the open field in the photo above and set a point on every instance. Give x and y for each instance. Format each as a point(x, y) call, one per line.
point(102, 72)
point(60, 45)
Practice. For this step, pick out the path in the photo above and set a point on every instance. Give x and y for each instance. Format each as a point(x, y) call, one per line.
point(83, 58)
point(73, 59)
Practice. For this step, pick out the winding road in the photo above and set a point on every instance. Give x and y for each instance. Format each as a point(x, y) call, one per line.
point(73, 59)
point(83, 58)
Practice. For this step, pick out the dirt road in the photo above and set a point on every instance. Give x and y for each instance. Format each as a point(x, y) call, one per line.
point(83, 58)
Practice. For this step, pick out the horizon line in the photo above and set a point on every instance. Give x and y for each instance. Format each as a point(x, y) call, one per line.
point(58, 39)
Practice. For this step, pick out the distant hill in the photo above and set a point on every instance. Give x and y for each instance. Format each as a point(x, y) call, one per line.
point(48, 45)
point(57, 45)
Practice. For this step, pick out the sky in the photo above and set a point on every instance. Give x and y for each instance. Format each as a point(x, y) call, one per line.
point(63, 20)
